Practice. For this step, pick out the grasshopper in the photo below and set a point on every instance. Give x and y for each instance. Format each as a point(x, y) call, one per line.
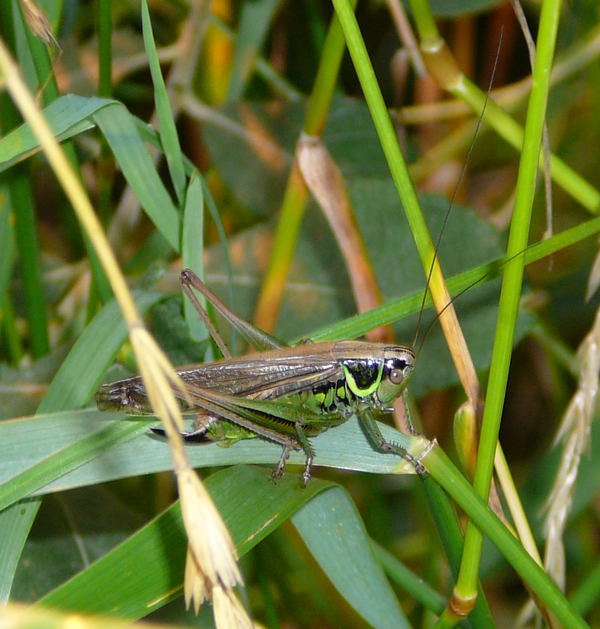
point(285, 395)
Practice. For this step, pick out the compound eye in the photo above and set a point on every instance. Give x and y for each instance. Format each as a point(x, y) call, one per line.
point(397, 375)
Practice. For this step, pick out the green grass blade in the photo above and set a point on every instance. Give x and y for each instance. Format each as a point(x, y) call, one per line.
point(146, 571)
point(416, 587)
point(64, 460)
point(335, 534)
point(119, 130)
point(15, 524)
point(192, 251)
point(70, 115)
point(343, 447)
point(81, 373)
point(168, 131)
point(255, 19)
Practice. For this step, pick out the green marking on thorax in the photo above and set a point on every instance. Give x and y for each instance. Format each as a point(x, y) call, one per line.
point(356, 389)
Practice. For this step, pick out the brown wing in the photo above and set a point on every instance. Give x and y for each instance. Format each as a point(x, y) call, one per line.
point(267, 375)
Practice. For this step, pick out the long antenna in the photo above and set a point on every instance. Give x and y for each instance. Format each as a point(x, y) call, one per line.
point(452, 199)
point(491, 273)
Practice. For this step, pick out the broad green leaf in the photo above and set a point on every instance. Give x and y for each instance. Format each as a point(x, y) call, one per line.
point(333, 531)
point(146, 571)
point(69, 116)
point(168, 129)
point(83, 369)
point(343, 447)
point(73, 529)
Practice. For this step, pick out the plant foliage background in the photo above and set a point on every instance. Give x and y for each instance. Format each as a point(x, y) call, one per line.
point(239, 90)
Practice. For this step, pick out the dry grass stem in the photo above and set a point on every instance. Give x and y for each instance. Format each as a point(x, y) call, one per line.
point(37, 20)
point(325, 181)
point(574, 434)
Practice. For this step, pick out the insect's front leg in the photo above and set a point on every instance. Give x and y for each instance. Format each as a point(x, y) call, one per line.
point(379, 443)
point(407, 414)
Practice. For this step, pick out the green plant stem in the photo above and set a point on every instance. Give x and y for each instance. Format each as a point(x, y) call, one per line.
point(11, 334)
point(448, 527)
point(451, 480)
point(508, 129)
point(424, 21)
point(586, 595)
point(296, 192)
point(511, 289)
point(19, 185)
point(385, 131)
point(104, 19)
point(407, 580)
point(45, 77)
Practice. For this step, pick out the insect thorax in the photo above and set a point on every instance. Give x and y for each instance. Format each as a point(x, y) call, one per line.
point(366, 381)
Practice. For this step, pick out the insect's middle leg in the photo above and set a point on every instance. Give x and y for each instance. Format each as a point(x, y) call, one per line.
point(308, 450)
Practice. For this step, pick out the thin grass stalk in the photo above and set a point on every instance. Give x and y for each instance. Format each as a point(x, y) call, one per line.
point(21, 196)
point(296, 193)
point(448, 527)
point(104, 21)
point(410, 203)
point(11, 333)
point(166, 119)
point(583, 53)
point(451, 480)
point(407, 580)
point(178, 85)
point(46, 78)
point(29, 254)
point(511, 289)
point(105, 166)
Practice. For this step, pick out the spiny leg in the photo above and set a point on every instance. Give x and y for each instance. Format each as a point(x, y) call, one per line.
point(198, 434)
point(190, 280)
point(277, 473)
point(379, 443)
point(308, 450)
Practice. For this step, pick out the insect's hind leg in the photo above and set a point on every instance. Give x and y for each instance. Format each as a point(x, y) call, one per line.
point(277, 473)
point(197, 435)
point(379, 443)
